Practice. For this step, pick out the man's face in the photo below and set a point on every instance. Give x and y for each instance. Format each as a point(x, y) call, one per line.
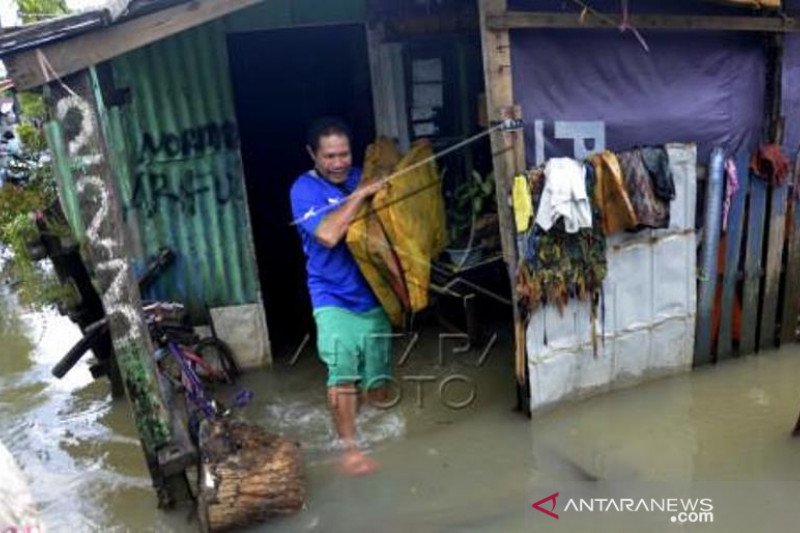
point(333, 158)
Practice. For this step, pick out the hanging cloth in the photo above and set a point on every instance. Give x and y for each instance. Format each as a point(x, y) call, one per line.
point(656, 160)
point(564, 196)
point(523, 205)
point(651, 211)
point(731, 186)
point(610, 194)
point(769, 163)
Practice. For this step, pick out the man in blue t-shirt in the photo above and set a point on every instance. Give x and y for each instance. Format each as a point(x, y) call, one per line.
point(353, 331)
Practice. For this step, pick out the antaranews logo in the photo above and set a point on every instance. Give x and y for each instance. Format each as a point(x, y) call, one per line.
point(553, 499)
point(681, 510)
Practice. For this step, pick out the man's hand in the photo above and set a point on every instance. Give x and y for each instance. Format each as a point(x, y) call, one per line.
point(367, 190)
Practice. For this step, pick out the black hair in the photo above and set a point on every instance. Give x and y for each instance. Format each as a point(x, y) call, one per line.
point(323, 127)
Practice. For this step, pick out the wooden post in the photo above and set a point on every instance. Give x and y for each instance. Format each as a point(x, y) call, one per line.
point(774, 259)
point(73, 103)
point(776, 217)
point(791, 294)
point(752, 265)
point(733, 248)
point(508, 154)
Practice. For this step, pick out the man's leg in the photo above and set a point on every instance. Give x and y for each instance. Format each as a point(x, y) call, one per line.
point(343, 400)
point(377, 361)
point(338, 348)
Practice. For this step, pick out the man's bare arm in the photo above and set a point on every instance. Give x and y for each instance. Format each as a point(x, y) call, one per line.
point(334, 226)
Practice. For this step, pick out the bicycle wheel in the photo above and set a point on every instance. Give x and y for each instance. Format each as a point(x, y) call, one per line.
point(219, 357)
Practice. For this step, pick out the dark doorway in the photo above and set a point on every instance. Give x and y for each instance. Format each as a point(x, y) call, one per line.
point(283, 80)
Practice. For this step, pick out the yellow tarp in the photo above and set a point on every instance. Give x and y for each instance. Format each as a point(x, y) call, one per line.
point(402, 229)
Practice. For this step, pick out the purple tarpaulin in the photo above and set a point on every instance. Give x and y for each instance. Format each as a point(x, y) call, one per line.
point(706, 88)
point(791, 94)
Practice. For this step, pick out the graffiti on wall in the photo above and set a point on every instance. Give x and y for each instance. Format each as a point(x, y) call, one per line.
point(170, 171)
point(196, 141)
point(112, 268)
point(106, 248)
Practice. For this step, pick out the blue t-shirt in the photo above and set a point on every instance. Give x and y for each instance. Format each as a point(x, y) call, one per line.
point(334, 279)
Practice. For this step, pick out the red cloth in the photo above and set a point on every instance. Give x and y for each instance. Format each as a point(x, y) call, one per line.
point(769, 163)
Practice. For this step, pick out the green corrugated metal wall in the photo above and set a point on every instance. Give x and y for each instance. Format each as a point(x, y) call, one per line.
point(183, 185)
point(180, 178)
point(175, 150)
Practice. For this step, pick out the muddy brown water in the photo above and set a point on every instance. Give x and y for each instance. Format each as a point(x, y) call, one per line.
point(720, 433)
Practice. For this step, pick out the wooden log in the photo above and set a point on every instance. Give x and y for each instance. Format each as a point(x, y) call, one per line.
point(247, 476)
point(733, 248)
point(775, 240)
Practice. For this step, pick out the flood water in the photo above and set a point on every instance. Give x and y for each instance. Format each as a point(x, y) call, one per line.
point(720, 433)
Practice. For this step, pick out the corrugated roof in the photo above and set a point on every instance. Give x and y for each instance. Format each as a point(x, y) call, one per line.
point(34, 35)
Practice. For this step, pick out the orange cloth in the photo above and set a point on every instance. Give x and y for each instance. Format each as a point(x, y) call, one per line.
point(610, 194)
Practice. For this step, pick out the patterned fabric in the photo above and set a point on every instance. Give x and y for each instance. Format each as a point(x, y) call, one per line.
point(651, 211)
point(560, 265)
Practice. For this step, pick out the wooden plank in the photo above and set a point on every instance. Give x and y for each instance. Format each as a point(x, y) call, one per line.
point(733, 249)
point(107, 251)
point(776, 232)
point(752, 264)
point(707, 287)
point(593, 19)
point(755, 4)
point(791, 284)
point(508, 156)
point(791, 292)
point(67, 57)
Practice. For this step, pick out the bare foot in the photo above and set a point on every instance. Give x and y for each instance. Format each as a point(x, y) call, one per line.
point(355, 463)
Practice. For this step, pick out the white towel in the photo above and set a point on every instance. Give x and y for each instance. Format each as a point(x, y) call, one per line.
point(564, 196)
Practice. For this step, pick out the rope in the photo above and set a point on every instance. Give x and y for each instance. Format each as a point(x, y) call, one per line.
point(418, 164)
point(50, 73)
point(624, 24)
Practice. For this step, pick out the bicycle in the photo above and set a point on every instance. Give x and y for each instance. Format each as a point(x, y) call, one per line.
point(185, 375)
point(210, 358)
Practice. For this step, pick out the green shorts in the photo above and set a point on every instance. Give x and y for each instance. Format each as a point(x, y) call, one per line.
point(356, 347)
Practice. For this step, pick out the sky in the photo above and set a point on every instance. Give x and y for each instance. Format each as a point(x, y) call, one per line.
point(8, 9)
